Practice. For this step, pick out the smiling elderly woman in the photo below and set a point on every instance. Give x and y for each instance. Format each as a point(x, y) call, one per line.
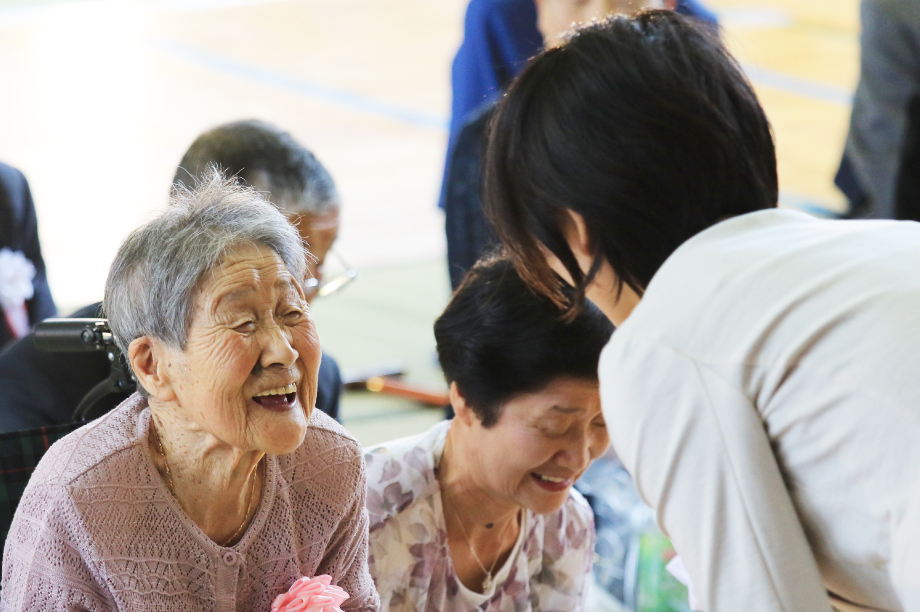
point(217, 485)
point(478, 513)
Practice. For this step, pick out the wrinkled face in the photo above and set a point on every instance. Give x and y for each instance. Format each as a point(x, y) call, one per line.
point(318, 232)
point(555, 17)
point(542, 443)
point(248, 373)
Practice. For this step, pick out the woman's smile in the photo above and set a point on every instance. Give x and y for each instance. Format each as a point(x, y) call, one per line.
point(553, 484)
point(280, 398)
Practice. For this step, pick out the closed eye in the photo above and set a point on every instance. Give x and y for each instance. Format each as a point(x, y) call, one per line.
point(245, 327)
point(554, 430)
point(294, 316)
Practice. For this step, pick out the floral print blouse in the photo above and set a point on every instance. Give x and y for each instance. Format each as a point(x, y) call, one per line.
point(410, 556)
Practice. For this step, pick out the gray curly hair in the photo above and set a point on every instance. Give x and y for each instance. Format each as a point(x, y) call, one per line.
point(155, 277)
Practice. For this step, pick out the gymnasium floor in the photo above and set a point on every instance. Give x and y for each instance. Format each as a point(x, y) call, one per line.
point(101, 98)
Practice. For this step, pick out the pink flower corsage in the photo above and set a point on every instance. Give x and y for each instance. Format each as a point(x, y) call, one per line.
point(311, 595)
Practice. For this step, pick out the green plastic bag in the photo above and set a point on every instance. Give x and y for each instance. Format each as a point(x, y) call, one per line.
point(656, 590)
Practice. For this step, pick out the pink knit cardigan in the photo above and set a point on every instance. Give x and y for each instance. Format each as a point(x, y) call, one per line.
point(97, 529)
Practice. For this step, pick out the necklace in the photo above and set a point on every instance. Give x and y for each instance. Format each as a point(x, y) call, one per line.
point(488, 581)
point(172, 488)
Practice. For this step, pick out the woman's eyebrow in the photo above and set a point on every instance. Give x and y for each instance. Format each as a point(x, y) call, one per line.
point(283, 283)
point(227, 299)
point(286, 283)
point(567, 410)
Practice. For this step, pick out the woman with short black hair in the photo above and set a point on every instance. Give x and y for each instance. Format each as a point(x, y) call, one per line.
point(762, 376)
point(647, 129)
point(478, 513)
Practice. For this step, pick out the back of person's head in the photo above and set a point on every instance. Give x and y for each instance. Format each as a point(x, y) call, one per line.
point(266, 158)
point(497, 339)
point(644, 126)
point(555, 17)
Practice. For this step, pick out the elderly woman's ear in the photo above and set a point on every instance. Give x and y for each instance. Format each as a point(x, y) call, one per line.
point(462, 410)
point(150, 360)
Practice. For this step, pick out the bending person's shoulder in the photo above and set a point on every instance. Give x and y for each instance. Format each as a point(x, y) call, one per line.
point(751, 275)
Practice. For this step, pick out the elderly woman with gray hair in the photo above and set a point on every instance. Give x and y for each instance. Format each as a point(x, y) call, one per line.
point(217, 486)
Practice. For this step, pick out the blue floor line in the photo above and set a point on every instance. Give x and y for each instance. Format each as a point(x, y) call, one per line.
point(338, 97)
point(370, 106)
point(807, 204)
point(798, 85)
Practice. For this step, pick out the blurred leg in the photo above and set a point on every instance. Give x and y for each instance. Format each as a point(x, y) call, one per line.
point(889, 77)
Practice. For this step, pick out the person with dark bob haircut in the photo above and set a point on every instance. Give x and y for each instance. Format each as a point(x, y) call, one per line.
point(479, 513)
point(763, 374)
point(645, 128)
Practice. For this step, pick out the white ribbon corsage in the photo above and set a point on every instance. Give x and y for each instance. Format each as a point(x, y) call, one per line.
point(16, 274)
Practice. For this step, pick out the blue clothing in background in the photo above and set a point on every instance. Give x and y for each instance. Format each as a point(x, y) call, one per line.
point(499, 36)
point(692, 8)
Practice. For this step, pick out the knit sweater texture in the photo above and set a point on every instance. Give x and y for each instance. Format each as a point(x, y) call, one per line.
point(98, 530)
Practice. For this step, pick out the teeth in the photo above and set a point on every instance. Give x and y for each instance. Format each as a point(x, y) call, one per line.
point(291, 388)
point(551, 479)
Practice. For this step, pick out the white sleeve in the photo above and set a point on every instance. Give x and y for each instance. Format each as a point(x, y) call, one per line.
point(700, 456)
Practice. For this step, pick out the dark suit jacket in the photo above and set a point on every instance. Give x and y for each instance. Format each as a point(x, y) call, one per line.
point(19, 232)
point(39, 389)
point(907, 191)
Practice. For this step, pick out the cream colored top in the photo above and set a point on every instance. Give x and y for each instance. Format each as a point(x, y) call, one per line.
point(765, 395)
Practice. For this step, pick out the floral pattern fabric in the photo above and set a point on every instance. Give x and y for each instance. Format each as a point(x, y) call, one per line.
point(410, 555)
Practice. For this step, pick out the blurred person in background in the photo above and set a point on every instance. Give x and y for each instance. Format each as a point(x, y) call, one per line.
point(216, 485)
point(499, 37)
point(290, 176)
point(25, 298)
point(889, 81)
point(478, 513)
point(907, 190)
point(761, 386)
point(40, 389)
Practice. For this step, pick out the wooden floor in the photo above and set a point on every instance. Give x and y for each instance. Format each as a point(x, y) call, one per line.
point(101, 98)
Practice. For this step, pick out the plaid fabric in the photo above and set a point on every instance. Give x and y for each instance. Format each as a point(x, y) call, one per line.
point(20, 452)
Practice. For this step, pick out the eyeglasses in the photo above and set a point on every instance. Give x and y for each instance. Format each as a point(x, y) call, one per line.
point(314, 288)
